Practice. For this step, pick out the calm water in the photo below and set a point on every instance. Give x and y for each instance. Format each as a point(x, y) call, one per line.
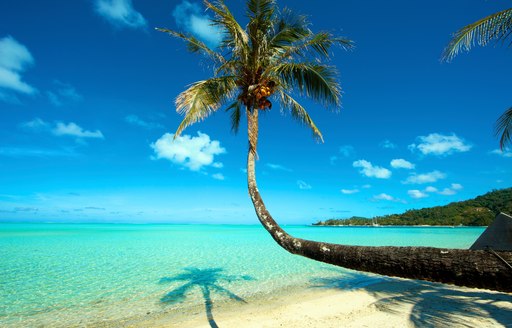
point(82, 274)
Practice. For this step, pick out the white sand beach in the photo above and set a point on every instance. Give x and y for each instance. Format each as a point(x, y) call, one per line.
point(378, 302)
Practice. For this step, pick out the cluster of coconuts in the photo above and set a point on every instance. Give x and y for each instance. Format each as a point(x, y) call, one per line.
point(261, 97)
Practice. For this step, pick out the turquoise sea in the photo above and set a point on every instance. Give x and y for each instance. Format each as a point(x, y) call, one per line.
point(63, 275)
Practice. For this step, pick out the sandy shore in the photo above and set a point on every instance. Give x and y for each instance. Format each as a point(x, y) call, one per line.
point(375, 302)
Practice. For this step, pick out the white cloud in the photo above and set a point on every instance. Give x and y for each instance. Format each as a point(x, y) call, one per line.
point(72, 129)
point(504, 153)
point(12, 80)
point(402, 164)
point(120, 13)
point(386, 144)
point(218, 176)
point(218, 165)
point(13, 55)
point(188, 15)
point(349, 191)
point(417, 194)
point(347, 150)
point(193, 153)
point(384, 197)
point(366, 186)
point(303, 185)
point(452, 190)
point(61, 129)
point(431, 189)
point(135, 120)
point(278, 167)
point(371, 171)
point(14, 59)
point(447, 192)
point(456, 186)
point(63, 94)
point(36, 124)
point(425, 178)
point(438, 144)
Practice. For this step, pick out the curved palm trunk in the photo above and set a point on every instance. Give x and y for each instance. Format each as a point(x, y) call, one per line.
point(479, 269)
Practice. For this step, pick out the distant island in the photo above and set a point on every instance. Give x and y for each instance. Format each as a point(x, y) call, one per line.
point(479, 211)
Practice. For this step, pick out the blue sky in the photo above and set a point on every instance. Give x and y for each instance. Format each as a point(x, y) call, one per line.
point(87, 116)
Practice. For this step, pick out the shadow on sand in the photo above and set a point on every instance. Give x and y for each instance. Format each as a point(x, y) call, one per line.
point(207, 281)
point(433, 304)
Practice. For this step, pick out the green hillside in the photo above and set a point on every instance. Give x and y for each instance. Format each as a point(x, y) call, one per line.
point(479, 211)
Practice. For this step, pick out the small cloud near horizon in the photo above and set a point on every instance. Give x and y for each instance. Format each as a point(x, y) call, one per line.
point(72, 129)
point(218, 176)
point(371, 171)
point(417, 194)
point(402, 164)
point(61, 129)
point(440, 145)
point(424, 178)
point(386, 197)
point(303, 185)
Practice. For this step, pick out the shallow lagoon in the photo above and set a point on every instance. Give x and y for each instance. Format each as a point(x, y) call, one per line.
point(89, 274)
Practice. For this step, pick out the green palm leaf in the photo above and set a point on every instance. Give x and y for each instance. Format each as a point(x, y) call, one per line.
point(299, 113)
point(311, 80)
point(236, 115)
point(236, 39)
point(496, 27)
point(289, 29)
point(202, 99)
point(504, 128)
point(195, 45)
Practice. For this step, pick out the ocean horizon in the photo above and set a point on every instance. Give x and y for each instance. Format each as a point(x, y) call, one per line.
point(85, 274)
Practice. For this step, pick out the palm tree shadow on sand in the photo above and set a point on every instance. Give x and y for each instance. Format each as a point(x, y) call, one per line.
point(207, 281)
point(433, 304)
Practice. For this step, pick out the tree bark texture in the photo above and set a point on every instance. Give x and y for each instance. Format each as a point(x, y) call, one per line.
point(478, 269)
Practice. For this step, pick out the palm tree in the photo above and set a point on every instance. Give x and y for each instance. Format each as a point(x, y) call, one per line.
point(274, 57)
point(493, 28)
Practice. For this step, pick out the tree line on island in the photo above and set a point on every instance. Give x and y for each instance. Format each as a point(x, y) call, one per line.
point(479, 211)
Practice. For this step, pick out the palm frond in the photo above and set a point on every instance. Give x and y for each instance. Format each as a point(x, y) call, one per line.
point(299, 113)
point(229, 67)
point(323, 41)
point(203, 98)
point(503, 128)
point(261, 21)
point(236, 39)
point(261, 8)
point(319, 44)
point(496, 27)
point(236, 115)
point(310, 79)
point(289, 29)
point(195, 45)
